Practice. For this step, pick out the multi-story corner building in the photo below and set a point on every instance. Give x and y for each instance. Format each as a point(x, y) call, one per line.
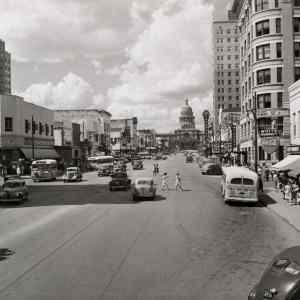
point(269, 64)
point(226, 66)
point(94, 127)
point(5, 70)
point(26, 132)
point(123, 135)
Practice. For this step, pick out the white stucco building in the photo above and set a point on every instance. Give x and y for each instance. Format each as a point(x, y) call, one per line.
point(294, 97)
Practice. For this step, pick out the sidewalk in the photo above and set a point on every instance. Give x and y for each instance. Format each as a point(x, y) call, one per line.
point(273, 200)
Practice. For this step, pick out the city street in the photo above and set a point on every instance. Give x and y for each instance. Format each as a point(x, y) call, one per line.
point(80, 241)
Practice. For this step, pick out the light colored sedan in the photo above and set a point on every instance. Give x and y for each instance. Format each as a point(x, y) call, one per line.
point(143, 188)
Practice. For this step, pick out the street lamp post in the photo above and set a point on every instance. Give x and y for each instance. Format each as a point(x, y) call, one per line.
point(254, 113)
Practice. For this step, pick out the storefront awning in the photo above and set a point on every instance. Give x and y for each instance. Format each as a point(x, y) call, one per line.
point(40, 153)
point(291, 162)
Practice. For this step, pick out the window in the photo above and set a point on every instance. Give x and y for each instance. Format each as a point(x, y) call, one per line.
point(229, 66)
point(229, 57)
point(228, 40)
point(263, 52)
point(279, 74)
point(278, 50)
point(262, 28)
point(297, 73)
point(296, 24)
point(47, 129)
point(264, 101)
point(276, 3)
point(52, 130)
point(40, 128)
point(229, 82)
point(27, 126)
point(297, 2)
point(263, 76)
point(278, 25)
point(297, 49)
point(229, 73)
point(8, 124)
point(279, 99)
point(261, 5)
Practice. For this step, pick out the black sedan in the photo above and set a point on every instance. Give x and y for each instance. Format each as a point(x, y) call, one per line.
point(281, 279)
point(211, 169)
point(119, 181)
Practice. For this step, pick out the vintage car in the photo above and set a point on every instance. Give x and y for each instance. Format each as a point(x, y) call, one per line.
point(14, 190)
point(281, 279)
point(119, 181)
point(72, 174)
point(137, 165)
point(189, 159)
point(143, 188)
point(105, 171)
point(211, 169)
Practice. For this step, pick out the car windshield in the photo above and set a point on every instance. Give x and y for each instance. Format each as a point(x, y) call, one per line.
point(13, 184)
point(145, 182)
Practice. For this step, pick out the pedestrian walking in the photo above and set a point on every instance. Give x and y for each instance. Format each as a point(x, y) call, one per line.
point(260, 183)
point(154, 169)
point(157, 169)
point(164, 182)
point(178, 183)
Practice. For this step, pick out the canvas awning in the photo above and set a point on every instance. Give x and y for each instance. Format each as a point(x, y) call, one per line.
point(40, 153)
point(291, 162)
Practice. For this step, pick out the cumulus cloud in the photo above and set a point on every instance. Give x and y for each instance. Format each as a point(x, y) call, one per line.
point(170, 60)
point(72, 92)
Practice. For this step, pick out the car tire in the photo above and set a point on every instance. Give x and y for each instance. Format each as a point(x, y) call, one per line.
point(134, 198)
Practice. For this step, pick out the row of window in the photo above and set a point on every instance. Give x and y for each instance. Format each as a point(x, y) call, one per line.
point(229, 82)
point(229, 49)
point(228, 73)
point(229, 40)
point(222, 98)
point(228, 57)
point(229, 66)
point(36, 127)
point(263, 51)
point(220, 30)
point(266, 4)
point(223, 106)
point(230, 90)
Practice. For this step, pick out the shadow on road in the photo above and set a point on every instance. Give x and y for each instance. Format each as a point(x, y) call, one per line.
point(72, 194)
point(246, 204)
point(266, 200)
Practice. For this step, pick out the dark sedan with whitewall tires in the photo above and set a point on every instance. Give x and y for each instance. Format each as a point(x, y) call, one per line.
point(14, 190)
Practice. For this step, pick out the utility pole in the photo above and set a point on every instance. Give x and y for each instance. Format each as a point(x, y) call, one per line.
point(32, 136)
point(254, 113)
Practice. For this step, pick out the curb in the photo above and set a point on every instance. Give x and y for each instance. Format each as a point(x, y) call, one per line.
point(269, 207)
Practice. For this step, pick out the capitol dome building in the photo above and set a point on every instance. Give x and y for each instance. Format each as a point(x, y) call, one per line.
point(188, 137)
point(187, 119)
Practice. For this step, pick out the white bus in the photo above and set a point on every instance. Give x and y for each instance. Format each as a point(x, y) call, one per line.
point(101, 161)
point(44, 169)
point(239, 184)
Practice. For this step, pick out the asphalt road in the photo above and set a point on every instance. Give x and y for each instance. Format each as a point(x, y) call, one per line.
point(80, 241)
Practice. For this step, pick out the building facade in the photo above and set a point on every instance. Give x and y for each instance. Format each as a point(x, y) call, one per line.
point(94, 127)
point(5, 70)
point(26, 131)
point(123, 135)
point(269, 63)
point(226, 67)
point(165, 141)
point(67, 142)
point(146, 140)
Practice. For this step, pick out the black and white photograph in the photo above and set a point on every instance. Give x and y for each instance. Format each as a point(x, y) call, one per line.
point(150, 149)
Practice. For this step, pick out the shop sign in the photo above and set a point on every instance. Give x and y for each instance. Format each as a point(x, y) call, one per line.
point(269, 144)
point(271, 112)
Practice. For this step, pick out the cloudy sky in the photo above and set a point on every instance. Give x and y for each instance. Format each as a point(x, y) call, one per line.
point(131, 57)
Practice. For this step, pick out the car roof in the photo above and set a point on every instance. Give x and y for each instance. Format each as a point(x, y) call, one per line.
point(239, 172)
point(144, 179)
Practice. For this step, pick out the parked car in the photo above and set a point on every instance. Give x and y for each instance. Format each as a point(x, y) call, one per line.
point(281, 279)
point(14, 190)
point(143, 188)
point(72, 174)
point(137, 165)
point(211, 169)
point(119, 181)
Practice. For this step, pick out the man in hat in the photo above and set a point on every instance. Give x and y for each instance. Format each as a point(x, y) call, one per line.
point(178, 183)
